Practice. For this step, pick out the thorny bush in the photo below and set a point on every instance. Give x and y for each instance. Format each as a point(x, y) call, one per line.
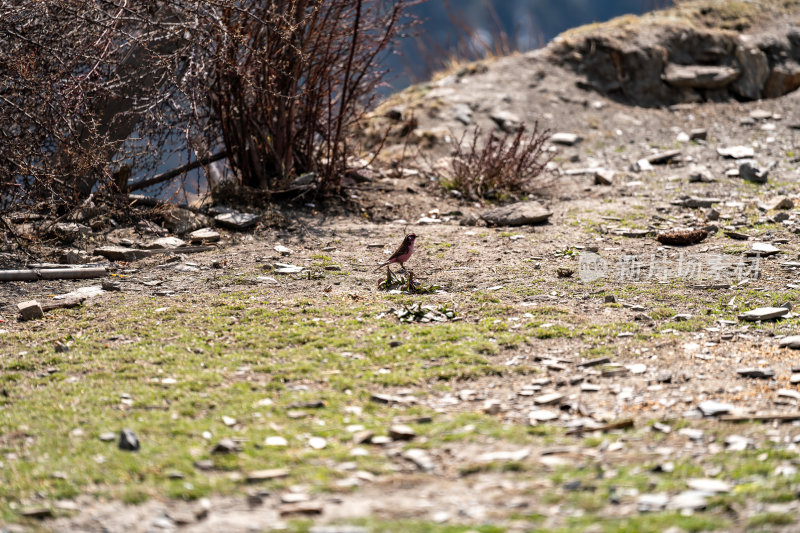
point(497, 166)
point(93, 93)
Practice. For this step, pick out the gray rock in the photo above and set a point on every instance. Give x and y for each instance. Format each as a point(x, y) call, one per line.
point(420, 458)
point(463, 114)
point(648, 503)
point(736, 152)
point(204, 235)
point(763, 313)
point(762, 249)
point(713, 486)
point(121, 253)
point(755, 71)
point(792, 341)
point(694, 202)
point(506, 121)
point(699, 76)
point(662, 158)
point(237, 221)
point(30, 310)
point(402, 432)
point(698, 134)
point(693, 500)
point(783, 79)
point(568, 139)
point(700, 174)
point(226, 445)
point(128, 441)
point(519, 214)
point(303, 180)
point(750, 172)
point(164, 242)
point(548, 399)
point(259, 476)
point(541, 415)
point(714, 408)
point(781, 202)
point(757, 373)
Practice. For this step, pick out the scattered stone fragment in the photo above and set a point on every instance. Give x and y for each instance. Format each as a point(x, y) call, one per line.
point(700, 174)
point(789, 393)
point(548, 399)
point(650, 503)
point(492, 407)
point(317, 443)
point(420, 458)
point(37, 513)
point(283, 250)
point(737, 443)
point(662, 428)
point(642, 165)
point(304, 508)
point(698, 134)
point(699, 76)
point(30, 310)
point(506, 121)
point(259, 476)
point(518, 455)
point(108, 436)
point(757, 373)
point(402, 432)
point(204, 235)
point(737, 235)
point(284, 268)
point(128, 440)
point(682, 237)
point(713, 486)
point(237, 221)
point(690, 500)
point(121, 253)
point(737, 152)
point(764, 313)
point(595, 362)
point(604, 177)
point(164, 242)
point(662, 158)
point(750, 172)
point(781, 202)
point(569, 139)
point(792, 341)
point(226, 445)
point(518, 214)
point(713, 408)
point(762, 249)
point(541, 415)
point(695, 202)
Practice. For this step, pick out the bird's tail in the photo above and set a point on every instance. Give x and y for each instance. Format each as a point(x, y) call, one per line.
point(382, 265)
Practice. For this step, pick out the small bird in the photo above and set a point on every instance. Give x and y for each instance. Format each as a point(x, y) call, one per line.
point(402, 254)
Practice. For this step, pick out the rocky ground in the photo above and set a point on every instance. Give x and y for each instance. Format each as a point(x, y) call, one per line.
point(585, 374)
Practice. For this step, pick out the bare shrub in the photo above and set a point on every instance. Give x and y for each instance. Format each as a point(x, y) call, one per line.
point(89, 88)
point(497, 166)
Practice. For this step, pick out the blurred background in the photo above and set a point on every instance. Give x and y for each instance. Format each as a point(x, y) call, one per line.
point(468, 29)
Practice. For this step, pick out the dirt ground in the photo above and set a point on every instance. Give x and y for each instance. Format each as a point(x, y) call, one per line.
point(662, 342)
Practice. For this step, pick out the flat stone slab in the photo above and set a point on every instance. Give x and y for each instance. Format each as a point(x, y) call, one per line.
point(764, 313)
point(714, 408)
point(709, 485)
point(237, 221)
point(204, 235)
point(568, 139)
point(165, 242)
point(792, 341)
point(519, 214)
point(737, 152)
point(121, 253)
point(699, 76)
point(757, 373)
